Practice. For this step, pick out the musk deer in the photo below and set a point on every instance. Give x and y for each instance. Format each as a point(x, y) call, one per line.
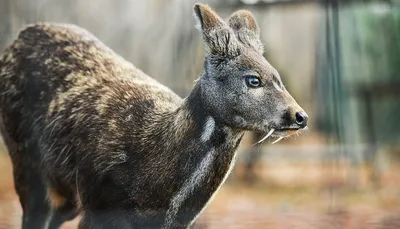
point(90, 134)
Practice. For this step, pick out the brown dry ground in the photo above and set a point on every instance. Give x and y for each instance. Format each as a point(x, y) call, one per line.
point(287, 196)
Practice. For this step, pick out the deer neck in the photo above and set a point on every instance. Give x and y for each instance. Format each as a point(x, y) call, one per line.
point(194, 119)
point(206, 151)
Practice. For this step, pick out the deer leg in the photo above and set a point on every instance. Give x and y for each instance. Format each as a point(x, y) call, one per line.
point(32, 194)
point(28, 182)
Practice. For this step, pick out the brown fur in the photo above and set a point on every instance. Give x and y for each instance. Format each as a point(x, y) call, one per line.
point(56, 199)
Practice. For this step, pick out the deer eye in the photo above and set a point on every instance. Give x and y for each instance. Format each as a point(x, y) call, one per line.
point(253, 81)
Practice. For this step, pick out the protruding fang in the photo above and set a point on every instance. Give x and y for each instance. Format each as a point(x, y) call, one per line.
point(266, 136)
point(277, 140)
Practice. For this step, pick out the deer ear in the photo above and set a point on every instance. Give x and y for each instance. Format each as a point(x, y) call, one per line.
point(246, 28)
point(217, 36)
point(207, 19)
point(244, 20)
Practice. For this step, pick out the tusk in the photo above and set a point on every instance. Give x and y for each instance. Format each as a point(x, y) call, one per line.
point(277, 140)
point(266, 136)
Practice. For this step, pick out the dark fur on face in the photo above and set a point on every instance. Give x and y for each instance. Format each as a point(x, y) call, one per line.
point(89, 133)
point(223, 82)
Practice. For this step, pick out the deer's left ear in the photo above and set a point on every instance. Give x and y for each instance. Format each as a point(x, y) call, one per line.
point(246, 29)
point(218, 37)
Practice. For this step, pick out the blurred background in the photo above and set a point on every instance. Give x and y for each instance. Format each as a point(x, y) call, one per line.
point(339, 59)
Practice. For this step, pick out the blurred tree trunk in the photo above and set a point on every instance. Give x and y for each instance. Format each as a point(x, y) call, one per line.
point(6, 23)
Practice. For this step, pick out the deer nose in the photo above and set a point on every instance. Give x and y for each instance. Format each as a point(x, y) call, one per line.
point(301, 119)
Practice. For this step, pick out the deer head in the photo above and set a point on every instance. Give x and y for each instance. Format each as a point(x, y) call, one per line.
point(239, 86)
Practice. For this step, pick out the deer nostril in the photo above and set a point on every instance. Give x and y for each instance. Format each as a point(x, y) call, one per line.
point(301, 119)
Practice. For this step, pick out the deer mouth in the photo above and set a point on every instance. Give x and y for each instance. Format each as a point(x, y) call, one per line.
point(279, 133)
point(285, 132)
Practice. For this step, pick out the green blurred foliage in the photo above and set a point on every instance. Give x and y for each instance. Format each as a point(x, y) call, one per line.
point(359, 70)
point(382, 42)
point(382, 45)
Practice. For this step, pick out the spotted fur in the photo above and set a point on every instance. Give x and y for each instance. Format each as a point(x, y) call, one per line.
point(90, 134)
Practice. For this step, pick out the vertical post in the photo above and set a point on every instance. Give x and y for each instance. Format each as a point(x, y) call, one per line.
point(5, 25)
point(371, 138)
point(334, 95)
